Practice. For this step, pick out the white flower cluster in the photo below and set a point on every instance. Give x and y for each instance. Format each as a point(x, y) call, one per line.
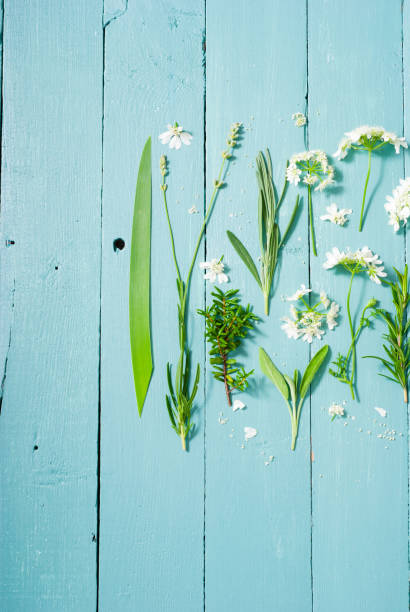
point(299, 119)
point(368, 137)
point(312, 167)
point(398, 204)
point(362, 260)
point(335, 215)
point(306, 321)
point(336, 410)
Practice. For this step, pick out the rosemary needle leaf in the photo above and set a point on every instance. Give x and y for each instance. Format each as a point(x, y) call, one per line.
point(140, 279)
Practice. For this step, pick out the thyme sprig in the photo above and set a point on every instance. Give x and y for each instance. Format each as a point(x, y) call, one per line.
point(227, 323)
point(397, 347)
point(180, 400)
point(269, 233)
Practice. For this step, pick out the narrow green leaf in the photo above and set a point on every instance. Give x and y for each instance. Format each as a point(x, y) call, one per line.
point(312, 369)
point(245, 256)
point(272, 372)
point(292, 388)
point(291, 220)
point(140, 276)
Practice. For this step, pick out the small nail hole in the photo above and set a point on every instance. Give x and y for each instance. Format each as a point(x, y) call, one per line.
point(35, 447)
point(55, 267)
point(118, 244)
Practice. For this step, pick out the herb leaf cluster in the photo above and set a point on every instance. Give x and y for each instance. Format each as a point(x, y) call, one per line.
point(397, 347)
point(227, 323)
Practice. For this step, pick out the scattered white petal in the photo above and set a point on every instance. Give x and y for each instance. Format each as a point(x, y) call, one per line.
point(221, 419)
point(238, 405)
point(193, 210)
point(250, 432)
point(381, 411)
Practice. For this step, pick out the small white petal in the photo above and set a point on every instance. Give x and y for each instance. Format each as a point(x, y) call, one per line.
point(250, 432)
point(381, 411)
point(238, 405)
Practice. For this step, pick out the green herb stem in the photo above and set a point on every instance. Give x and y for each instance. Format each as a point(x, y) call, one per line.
point(365, 189)
point(312, 229)
point(353, 345)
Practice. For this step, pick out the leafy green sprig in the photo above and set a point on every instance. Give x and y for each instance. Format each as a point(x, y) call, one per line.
point(269, 233)
point(397, 347)
point(180, 400)
point(227, 323)
point(292, 392)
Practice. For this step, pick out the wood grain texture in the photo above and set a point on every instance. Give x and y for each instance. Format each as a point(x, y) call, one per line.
point(359, 480)
point(100, 509)
point(151, 551)
point(257, 516)
point(51, 184)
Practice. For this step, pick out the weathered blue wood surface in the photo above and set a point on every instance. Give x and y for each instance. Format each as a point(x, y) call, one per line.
point(102, 510)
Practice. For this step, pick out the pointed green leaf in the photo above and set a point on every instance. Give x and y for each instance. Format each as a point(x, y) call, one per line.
point(140, 275)
point(272, 372)
point(245, 256)
point(312, 369)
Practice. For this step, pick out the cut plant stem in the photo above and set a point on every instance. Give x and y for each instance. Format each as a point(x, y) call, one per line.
point(365, 190)
point(312, 229)
point(183, 440)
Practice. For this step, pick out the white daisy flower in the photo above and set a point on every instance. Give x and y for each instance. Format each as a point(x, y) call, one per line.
point(175, 136)
point(215, 270)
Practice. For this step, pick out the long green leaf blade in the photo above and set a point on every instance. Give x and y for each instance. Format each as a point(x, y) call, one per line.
point(245, 256)
point(312, 369)
point(272, 372)
point(140, 275)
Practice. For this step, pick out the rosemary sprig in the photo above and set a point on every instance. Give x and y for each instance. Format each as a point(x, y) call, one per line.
point(397, 347)
point(227, 323)
point(289, 388)
point(180, 400)
point(269, 233)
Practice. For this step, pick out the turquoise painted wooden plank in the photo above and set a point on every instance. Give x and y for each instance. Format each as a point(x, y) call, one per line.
point(51, 184)
point(151, 526)
point(359, 478)
point(406, 160)
point(257, 539)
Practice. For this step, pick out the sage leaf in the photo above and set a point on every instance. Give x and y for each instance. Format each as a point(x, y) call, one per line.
point(245, 256)
point(312, 369)
point(140, 280)
point(272, 372)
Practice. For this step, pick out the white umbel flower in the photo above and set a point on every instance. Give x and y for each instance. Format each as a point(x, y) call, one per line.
point(365, 137)
point(306, 320)
point(362, 260)
point(313, 167)
point(397, 205)
point(214, 270)
point(332, 315)
point(290, 328)
point(175, 136)
point(336, 215)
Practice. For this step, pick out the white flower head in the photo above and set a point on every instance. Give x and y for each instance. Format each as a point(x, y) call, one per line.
point(366, 137)
point(362, 260)
point(312, 167)
point(298, 294)
point(215, 270)
point(335, 215)
point(299, 119)
point(336, 410)
point(238, 405)
point(397, 205)
point(175, 136)
point(250, 432)
point(306, 322)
